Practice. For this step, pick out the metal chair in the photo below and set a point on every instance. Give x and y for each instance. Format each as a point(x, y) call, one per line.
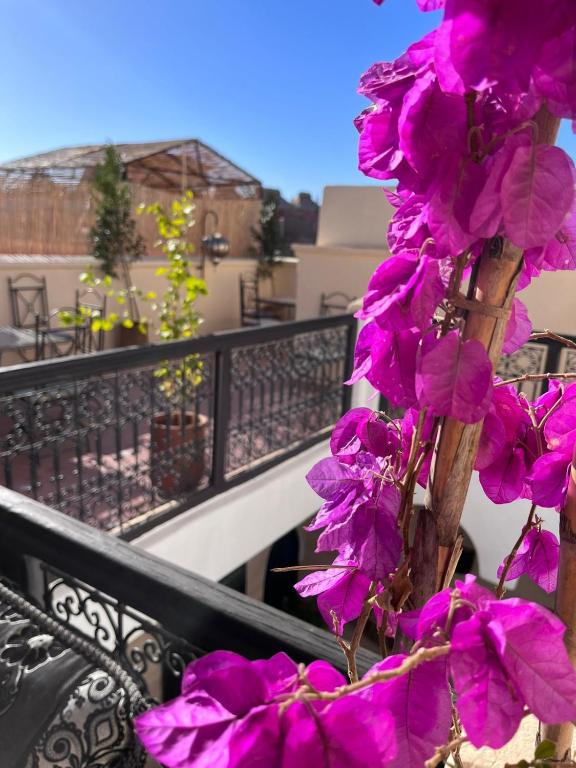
point(336, 303)
point(57, 339)
point(28, 300)
point(91, 305)
point(251, 313)
point(29, 304)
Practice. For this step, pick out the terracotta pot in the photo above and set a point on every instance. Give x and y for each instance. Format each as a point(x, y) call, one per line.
point(131, 337)
point(173, 473)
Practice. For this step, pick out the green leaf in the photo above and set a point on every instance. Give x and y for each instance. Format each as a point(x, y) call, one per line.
point(127, 323)
point(66, 317)
point(545, 750)
point(161, 271)
point(107, 280)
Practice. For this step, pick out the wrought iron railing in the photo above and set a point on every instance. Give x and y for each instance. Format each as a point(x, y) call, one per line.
point(125, 438)
point(151, 616)
point(535, 357)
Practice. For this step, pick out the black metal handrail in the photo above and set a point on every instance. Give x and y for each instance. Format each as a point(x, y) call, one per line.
point(147, 596)
point(48, 372)
point(97, 436)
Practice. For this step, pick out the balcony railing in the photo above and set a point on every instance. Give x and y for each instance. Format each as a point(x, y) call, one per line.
point(149, 615)
point(124, 439)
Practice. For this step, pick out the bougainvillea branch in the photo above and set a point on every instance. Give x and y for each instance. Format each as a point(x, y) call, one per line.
point(508, 563)
point(547, 334)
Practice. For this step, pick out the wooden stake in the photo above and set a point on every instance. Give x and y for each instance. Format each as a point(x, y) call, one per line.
point(438, 523)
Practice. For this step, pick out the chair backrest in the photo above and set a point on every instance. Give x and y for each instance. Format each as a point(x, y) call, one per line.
point(248, 297)
point(92, 304)
point(28, 300)
point(335, 303)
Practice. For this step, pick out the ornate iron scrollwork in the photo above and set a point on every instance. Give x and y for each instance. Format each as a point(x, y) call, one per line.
point(138, 643)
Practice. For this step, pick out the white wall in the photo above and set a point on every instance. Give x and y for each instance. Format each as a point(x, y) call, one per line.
point(221, 534)
point(351, 243)
point(354, 216)
point(329, 269)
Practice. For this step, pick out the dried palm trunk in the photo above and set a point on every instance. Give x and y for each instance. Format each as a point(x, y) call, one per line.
point(436, 543)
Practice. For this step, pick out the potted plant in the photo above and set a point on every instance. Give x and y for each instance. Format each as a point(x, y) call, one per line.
point(115, 243)
point(174, 428)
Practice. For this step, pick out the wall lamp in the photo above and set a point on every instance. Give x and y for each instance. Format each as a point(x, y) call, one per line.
point(214, 246)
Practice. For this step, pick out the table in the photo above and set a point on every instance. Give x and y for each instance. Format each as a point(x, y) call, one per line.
point(13, 338)
point(286, 305)
point(21, 339)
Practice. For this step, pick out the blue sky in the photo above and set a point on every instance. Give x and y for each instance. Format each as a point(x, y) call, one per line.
point(269, 83)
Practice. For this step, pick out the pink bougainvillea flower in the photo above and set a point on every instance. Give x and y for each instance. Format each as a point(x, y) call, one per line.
point(342, 590)
point(548, 479)
point(431, 5)
point(489, 707)
point(197, 729)
point(388, 361)
point(373, 534)
point(494, 671)
point(454, 378)
point(537, 557)
point(367, 337)
point(529, 642)
point(403, 293)
point(434, 614)
point(361, 430)
point(379, 155)
point(490, 43)
point(560, 251)
point(501, 425)
point(555, 73)
point(424, 5)
point(419, 704)
point(341, 735)
point(486, 211)
point(388, 81)
point(218, 692)
point(518, 329)
point(503, 480)
point(345, 440)
point(408, 230)
point(537, 194)
point(441, 117)
point(452, 197)
point(331, 479)
point(380, 438)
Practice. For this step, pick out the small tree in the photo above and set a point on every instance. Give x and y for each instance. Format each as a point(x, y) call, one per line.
point(176, 308)
point(268, 237)
point(113, 239)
